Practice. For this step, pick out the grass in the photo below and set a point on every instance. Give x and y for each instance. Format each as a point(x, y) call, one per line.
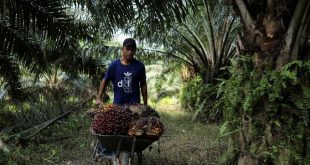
point(184, 142)
point(69, 142)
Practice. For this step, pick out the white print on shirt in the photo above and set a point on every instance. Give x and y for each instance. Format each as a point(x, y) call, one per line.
point(126, 83)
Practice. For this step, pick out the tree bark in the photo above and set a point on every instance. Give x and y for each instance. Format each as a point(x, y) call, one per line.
point(273, 35)
point(301, 10)
point(245, 15)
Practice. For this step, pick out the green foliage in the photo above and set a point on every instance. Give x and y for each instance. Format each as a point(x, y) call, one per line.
point(273, 104)
point(302, 102)
point(29, 115)
point(44, 104)
point(193, 93)
point(51, 145)
point(250, 86)
point(35, 34)
point(229, 128)
point(6, 117)
point(69, 142)
point(163, 81)
point(10, 153)
point(205, 40)
point(198, 97)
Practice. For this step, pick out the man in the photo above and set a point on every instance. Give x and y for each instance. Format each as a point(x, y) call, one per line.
point(127, 76)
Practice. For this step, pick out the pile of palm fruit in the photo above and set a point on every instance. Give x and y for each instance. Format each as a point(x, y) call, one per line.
point(112, 122)
point(145, 122)
point(133, 120)
point(105, 108)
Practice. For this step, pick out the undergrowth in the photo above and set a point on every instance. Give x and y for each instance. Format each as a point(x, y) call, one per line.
point(69, 142)
point(199, 98)
point(267, 113)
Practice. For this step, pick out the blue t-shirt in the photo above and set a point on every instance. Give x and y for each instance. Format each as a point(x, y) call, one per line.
point(126, 81)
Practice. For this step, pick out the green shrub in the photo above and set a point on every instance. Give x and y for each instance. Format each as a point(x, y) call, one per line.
point(198, 97)
point(192, 93)
point(269, 111)
point(6, 118)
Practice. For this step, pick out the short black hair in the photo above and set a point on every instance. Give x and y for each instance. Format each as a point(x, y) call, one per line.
point(129, 42)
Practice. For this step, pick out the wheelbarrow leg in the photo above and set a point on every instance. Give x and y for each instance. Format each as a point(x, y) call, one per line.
point(118, 150)
point(139, 154)
point(94, 150)
point(133, 147)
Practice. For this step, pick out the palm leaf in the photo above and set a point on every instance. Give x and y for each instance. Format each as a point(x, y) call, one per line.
point(143, 19)
point(207, 36)
point(10, 73)
point(38, 31)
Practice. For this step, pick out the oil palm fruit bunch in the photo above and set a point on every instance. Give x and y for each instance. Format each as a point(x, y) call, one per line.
point(147, 126)
point(105, 108)
point(113, 122)
point(148, 112)
point(138, 127)
point(140, 110)
point(155, 127)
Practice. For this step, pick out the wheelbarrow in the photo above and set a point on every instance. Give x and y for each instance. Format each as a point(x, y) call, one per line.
point(131, 144)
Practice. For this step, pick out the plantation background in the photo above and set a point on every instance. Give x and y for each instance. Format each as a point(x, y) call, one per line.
point(230, 78)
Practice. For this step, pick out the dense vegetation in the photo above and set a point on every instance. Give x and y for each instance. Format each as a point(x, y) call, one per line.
point(241, 64)
point(267, 114)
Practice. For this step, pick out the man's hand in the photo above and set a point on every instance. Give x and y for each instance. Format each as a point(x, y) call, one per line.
point(101, 90)
point(99, 102)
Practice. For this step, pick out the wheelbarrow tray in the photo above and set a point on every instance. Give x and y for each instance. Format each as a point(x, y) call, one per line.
point(124, 142)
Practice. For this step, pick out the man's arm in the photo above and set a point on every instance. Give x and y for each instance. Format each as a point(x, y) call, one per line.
point(144, 91)
point(101, 90)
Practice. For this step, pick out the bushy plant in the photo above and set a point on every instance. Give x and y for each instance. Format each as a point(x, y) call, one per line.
point(192, 93)
point(267, 113)
point(199, 98)
point(163, 82)
point(6, 118)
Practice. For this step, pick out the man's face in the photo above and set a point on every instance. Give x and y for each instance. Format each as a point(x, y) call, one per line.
point(128, 52)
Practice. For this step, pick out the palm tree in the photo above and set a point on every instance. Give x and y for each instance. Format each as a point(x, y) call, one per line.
point(205, 41)
point(38, 33)
point(275, 33)
point(145, 19)
point(34, 34)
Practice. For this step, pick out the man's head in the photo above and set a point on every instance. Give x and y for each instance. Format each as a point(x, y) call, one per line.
point(129, 49)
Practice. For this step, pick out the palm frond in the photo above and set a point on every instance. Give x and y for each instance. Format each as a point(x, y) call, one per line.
point(28, 51)
point(38, 32)
point(144, 19)
point(207, 37)
point(9, 70)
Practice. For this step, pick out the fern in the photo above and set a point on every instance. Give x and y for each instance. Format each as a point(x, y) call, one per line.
point(279, 98)
point(302, 102)
point(229, 128)
point(199, 109)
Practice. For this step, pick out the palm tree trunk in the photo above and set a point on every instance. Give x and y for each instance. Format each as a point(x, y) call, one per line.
point(273, 38)
point(294, 34)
